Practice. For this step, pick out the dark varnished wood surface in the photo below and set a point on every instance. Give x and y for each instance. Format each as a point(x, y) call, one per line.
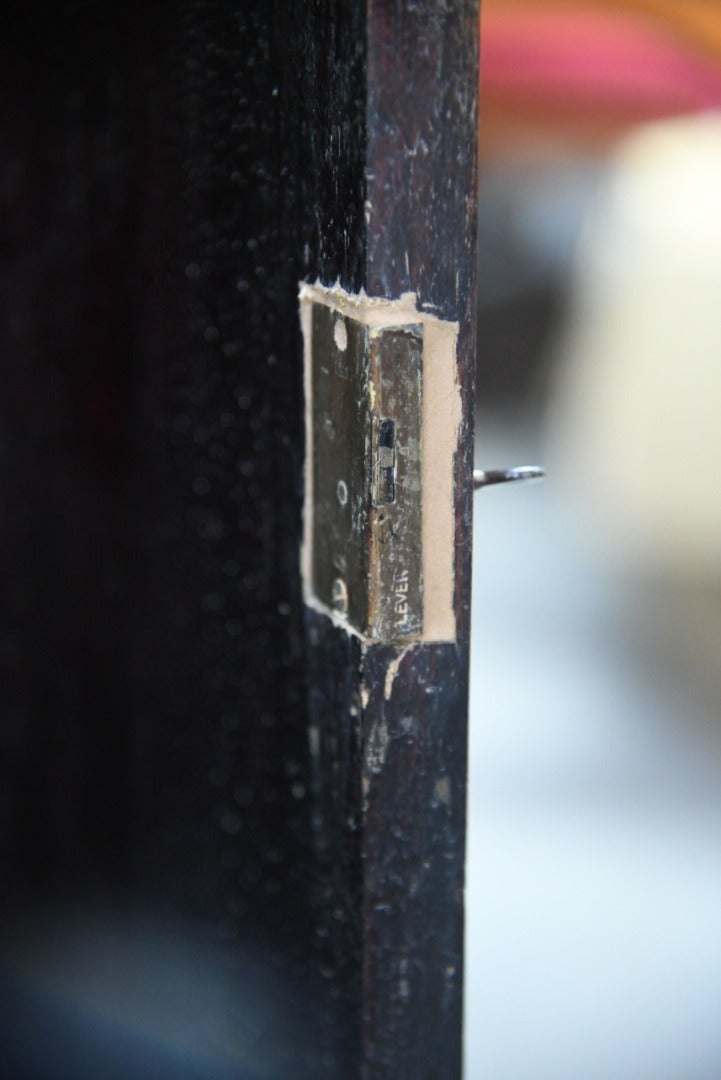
point(172, 174)
point(407, 749)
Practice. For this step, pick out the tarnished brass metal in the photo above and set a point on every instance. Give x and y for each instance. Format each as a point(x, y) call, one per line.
point(366, 387)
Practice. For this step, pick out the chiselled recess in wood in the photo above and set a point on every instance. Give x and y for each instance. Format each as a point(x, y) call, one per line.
point(381, 427)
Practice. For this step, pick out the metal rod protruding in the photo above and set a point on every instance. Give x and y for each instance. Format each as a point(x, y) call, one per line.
point(486, 477)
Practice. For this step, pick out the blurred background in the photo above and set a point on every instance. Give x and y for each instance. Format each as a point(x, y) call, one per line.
point(594, 877)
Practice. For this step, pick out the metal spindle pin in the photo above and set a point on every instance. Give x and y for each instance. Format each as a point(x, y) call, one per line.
point(486, 477)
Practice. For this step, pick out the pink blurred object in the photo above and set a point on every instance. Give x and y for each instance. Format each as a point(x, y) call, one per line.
point(586, 58)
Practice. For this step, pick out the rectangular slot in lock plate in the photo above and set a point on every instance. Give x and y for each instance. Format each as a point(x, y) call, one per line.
point(367, 395)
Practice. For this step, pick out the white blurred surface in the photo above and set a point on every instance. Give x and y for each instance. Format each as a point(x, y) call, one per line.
point(594, 845)
point(637, 402)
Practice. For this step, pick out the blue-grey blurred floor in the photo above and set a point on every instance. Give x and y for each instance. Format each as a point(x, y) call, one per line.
point(594, 845)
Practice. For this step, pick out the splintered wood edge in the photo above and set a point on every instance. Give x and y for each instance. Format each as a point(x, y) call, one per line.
point(441, 422)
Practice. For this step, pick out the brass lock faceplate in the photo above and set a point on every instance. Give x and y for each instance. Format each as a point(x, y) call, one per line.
point(369, 550)
point(367, 395)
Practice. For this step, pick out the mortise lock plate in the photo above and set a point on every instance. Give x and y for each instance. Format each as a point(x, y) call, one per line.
point(367, 391)
point(382, 434)
point(384, 442)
